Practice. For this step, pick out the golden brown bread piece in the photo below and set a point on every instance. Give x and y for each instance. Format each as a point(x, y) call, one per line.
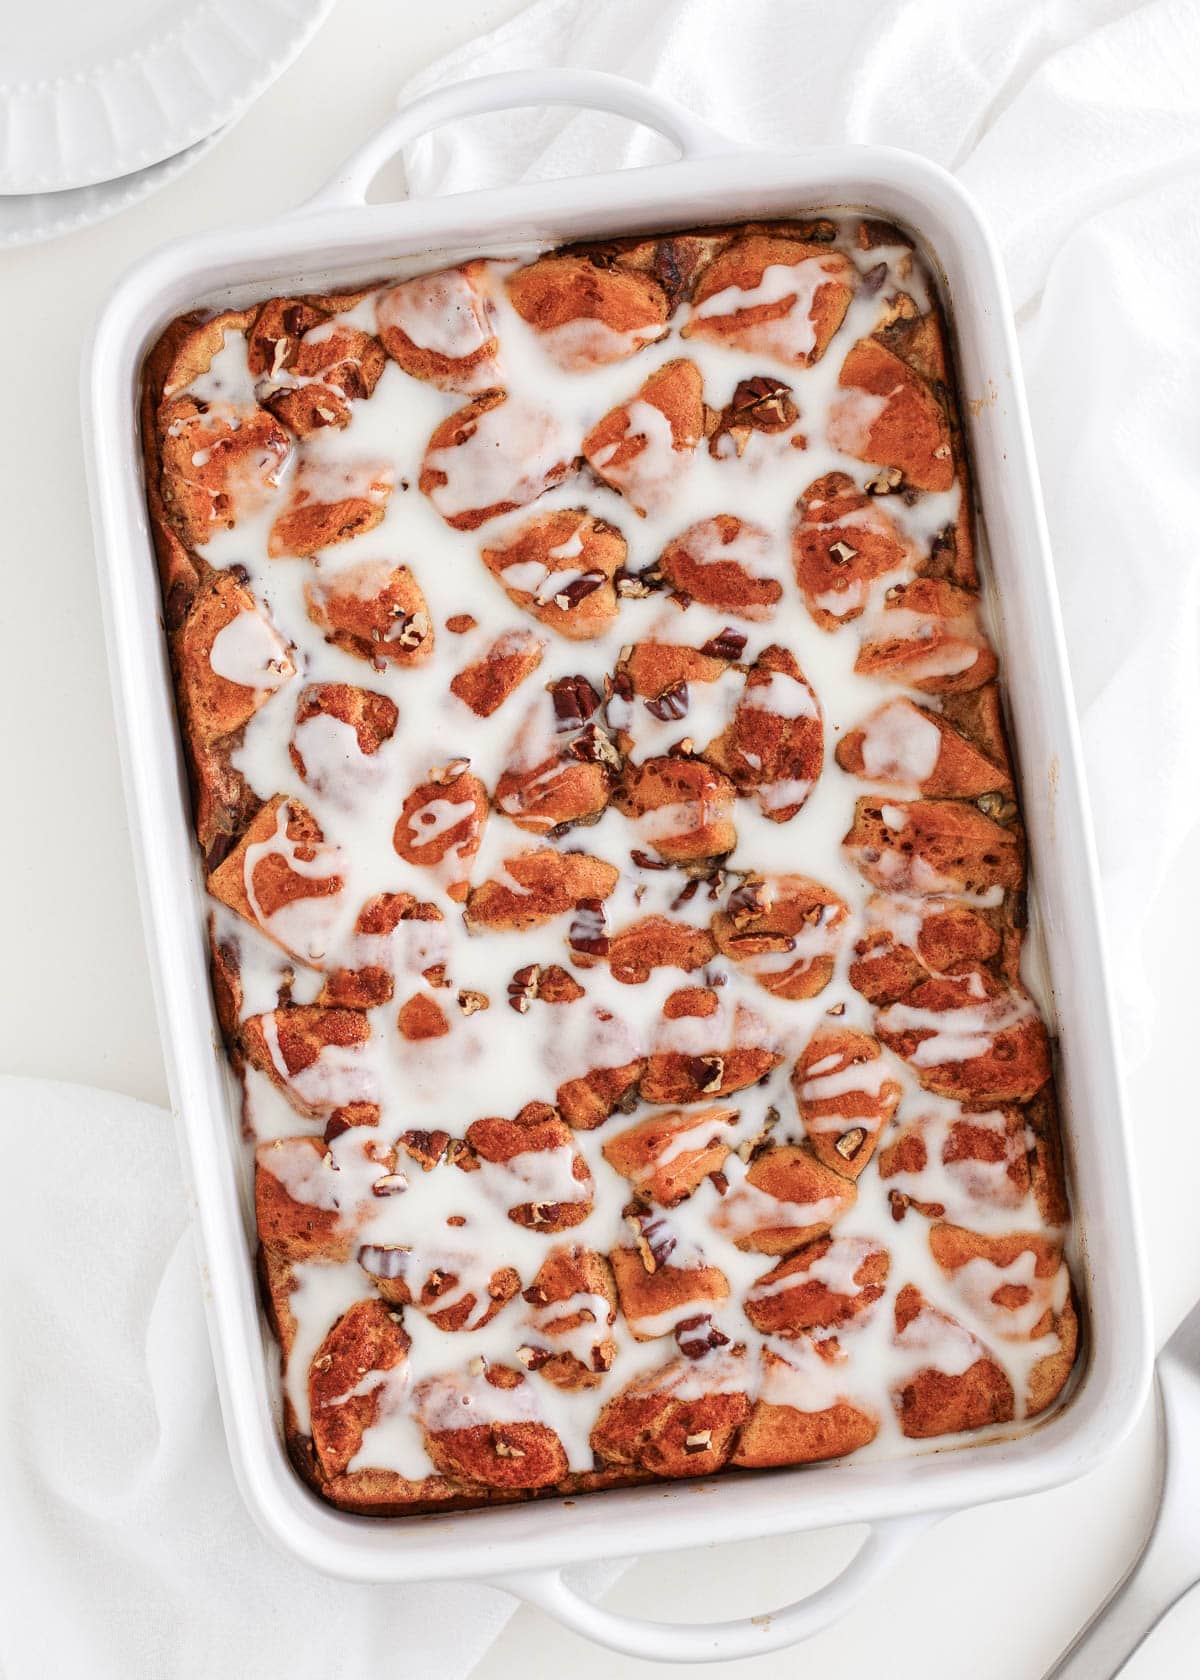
point(438, 327)
point(931, 847)
point(585, 315)
point(793, 321)
point(669, 1155)
point(373, 718)
point(734, 1049)
point(515, 1450)
point(654, 1302)
point(554, 1202)
point(295, 1202)
point(541, 884)
point(587, 1101)
point(774, 744)
point(906, 940)
point(784, 931)
point(779, 1433)
point(937, 1402)
point(287, 1044)
point(366, 1341)
point(895, 741)
point(486, 683)
point(442, 819)
point(723, 563)
point(931, 640)
point(559, 567)
point(842, 540)
point(1023, 1293)
point(824, 1284)
point(892, 417)
point(792, 1199)
point(970, 1037)
point(635, 951)
point(527, 442)
point(280, 862)
point(309, 366)
point(682, 806)
point(375, 611)
point(641, 447)
point(372, 983)
point(573, 1297)
point(667, 1421)
point(436, 1288)
point(215, 703)
point(330, 505)
point(844, 1097)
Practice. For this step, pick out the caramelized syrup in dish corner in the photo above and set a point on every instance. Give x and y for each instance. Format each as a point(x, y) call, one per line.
point(617, 884)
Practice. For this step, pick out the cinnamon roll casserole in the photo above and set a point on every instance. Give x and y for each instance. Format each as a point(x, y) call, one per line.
point(617, 877)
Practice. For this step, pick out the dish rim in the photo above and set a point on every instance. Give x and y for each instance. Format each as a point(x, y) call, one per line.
point(332, 245)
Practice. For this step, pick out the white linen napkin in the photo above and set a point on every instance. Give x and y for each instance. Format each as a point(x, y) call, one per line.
point(1076, 125)
point(126, 1550)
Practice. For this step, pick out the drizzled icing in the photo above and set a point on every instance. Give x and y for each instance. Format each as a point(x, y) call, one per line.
point(491, 1061)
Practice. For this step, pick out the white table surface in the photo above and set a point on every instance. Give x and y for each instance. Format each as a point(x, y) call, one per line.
point(78, 1002)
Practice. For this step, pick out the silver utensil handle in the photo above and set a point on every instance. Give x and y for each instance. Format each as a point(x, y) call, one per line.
point(1167, 1565)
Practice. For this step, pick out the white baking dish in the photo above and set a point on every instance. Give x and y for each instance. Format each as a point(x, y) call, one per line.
point(338, 239)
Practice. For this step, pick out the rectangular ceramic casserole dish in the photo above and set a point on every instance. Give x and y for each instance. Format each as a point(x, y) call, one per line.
point(337, 241)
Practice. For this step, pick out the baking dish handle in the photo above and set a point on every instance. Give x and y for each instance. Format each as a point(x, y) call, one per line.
point(698, 1642)
point(594, 90)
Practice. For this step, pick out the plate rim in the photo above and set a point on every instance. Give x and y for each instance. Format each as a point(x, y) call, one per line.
point(84, 108)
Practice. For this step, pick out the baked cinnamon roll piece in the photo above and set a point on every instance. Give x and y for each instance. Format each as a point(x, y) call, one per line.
point(787, 1198)
point(668, 1155)
point(357, 1376)
point(956, 1382)
point(283, 878)
point(642, 448)
point(929, 638)
point(309, 366)
point(903, 745)
point(845, 1095)
point(536, 886)
point(713, 1056)
point(493, 456)
point(486, 683)
point(725, 563)
point(683, 808)
point(970, 1037)
point(804, 1412)
point(374, 610)
point(773, 296)
point(891, 416)
point(438, 327)
point(826, 1284)
point(486, 1429)
point(559, 567)
point(783, 931)
point(933, 848)
point(774, 744)
point(331, 502)
point(531, 1165)
point(586, 316)
point(842, 542)
point(573, 1307)
point(679, 1420)
point(315, 1056)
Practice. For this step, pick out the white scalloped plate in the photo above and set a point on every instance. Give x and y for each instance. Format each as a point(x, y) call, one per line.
point(30, 218)
point(93, 92)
